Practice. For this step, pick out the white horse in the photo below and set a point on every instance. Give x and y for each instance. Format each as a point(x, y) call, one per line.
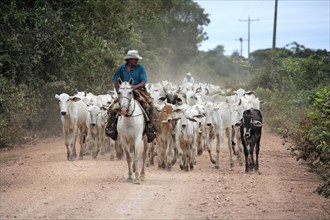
point(130, 127)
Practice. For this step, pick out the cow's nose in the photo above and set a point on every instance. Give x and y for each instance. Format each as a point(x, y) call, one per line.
point(63, 113)
point(93, 124)
point(208, 124)
point(183, 125)
point(247, 135)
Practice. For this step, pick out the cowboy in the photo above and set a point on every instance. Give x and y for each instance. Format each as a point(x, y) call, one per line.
point(126, 71)
point(188, 79)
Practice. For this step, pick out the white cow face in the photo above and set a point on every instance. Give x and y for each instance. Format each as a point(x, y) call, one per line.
point(64, 102)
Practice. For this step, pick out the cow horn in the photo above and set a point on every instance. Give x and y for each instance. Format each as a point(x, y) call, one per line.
point(207, 91)
point(164, 89)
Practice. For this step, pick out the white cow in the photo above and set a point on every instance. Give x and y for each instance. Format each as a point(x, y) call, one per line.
point(220, 118)
point(94, 123)
point(185, 136)
point(73, 116)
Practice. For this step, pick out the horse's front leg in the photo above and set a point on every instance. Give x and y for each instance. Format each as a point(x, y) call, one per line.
point(129, 164)
point(137, 143)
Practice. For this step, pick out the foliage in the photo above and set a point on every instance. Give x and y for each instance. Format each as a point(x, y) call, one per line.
point(295, 85)
point(50, 47)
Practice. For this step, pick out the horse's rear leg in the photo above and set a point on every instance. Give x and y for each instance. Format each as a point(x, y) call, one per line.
point(144, 158)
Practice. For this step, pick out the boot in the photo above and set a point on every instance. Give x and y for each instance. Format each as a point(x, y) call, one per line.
point(111, 128)
point(150, 132)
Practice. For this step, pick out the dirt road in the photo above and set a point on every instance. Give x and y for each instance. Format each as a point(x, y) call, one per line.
point(37, 182)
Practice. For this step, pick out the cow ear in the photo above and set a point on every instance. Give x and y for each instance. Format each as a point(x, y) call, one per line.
point(177, 110)
point(162, 99)
point(237, 125)
point(191, 119)
point(199, 116)
point(131, 81)
point(257, 123)
point(57, 96)
point(179, 101)
point(175, 119)
point(75, 98)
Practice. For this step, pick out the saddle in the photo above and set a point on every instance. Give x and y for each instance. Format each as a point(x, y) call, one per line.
point(144, 98)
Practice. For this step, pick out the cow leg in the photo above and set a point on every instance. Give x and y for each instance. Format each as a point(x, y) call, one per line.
point(144, 158)
point(72, 148)
point(209, 146)
point(192, 158)
point(95, 147)
point(66, 142)
point(169, 155)
point(256, 167)
point(199, 144)
point(246, 154)
point(251, 155)
point(186, 160)
point(161, 154)
point(217, 161)
point(239, 148)
point(229, 133)
point(82, 142)
point(233, 144)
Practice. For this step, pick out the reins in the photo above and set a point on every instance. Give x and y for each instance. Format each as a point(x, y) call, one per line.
point(128, 107)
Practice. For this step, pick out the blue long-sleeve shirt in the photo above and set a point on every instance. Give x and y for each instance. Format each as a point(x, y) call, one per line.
point(138, 74)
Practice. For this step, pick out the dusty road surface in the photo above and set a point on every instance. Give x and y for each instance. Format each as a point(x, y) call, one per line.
point(37, 182)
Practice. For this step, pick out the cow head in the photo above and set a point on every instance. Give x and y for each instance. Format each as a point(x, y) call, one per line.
point(171, 96)
point(64, 102)
point(250, 123)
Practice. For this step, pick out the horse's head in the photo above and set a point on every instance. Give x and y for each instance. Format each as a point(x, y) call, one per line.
point(125, 95)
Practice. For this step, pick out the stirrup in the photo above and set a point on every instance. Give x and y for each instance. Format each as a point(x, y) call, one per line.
point(150, 132)
point(112, 133)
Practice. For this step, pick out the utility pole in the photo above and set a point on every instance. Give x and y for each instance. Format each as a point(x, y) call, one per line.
point(275, 24)
point(249, 21)
point(241, 40)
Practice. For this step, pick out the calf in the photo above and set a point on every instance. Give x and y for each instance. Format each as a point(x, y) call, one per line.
point(165, 145)
point(250, 129)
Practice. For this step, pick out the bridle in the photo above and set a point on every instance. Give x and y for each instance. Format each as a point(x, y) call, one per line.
point(128, 105)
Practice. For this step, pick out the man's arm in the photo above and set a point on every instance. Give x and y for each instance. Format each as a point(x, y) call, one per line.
point(139, 86)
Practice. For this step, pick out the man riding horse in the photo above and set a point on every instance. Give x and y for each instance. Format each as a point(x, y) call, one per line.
point(126, 71)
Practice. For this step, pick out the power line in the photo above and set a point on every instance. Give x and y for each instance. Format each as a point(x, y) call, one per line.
point(249, 21)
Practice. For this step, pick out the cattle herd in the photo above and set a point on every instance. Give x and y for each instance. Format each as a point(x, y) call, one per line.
point(187, 118)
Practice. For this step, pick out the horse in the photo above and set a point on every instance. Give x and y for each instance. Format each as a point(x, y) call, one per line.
point(130, 127)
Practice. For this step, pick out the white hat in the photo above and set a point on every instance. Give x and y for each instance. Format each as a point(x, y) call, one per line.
point(188, 74)
point(132, 54)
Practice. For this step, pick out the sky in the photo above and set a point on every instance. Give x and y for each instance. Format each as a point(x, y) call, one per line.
point(306, 22)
